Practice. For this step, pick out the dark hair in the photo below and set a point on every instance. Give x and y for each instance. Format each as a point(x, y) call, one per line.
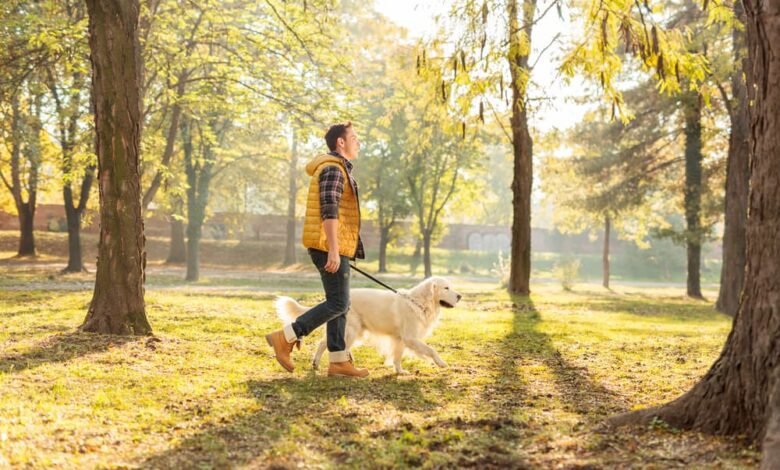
point(335, 132)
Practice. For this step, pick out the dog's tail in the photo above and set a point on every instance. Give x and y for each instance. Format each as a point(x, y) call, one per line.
point(288, 309)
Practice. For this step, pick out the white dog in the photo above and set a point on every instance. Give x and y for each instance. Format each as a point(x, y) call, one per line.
point(403, 319)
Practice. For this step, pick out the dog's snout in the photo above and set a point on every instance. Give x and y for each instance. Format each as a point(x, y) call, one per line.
point(459, 297)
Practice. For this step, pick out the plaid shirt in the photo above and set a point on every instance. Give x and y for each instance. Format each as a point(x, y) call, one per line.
point(331, 189)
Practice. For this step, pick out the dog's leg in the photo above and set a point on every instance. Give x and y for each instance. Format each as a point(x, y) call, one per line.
point(423, 349)
point(315, 360)
point(398, 352)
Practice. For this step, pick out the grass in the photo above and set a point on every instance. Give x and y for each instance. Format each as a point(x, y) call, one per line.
point(530, 383)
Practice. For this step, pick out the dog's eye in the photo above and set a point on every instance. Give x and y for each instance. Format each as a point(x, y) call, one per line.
point(446, 288)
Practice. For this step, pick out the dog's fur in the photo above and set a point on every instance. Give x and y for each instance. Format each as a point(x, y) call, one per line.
point(392, 321)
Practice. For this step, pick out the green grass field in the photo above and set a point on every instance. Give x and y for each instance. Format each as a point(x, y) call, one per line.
point(530, 382)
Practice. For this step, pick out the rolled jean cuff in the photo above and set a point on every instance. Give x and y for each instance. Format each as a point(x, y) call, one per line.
point(339, 356)
point(289, 333)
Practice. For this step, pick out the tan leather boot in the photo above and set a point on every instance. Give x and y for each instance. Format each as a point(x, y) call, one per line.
point(346, 369)
point(282, 348)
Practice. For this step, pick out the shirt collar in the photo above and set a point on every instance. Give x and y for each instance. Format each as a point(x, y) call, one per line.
point(347, 163)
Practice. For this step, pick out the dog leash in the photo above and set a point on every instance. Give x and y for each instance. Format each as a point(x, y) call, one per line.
point(372, 278)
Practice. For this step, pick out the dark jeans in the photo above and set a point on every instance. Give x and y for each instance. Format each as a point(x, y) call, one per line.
point(334, 310)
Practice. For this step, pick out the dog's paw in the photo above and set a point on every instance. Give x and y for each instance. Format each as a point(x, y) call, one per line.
point(441, 363)
point(401, 371)
point(315, 365)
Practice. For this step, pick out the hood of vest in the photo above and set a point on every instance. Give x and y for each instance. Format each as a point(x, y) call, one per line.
point(312, 166)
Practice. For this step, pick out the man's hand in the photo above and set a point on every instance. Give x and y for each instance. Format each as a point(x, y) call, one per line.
point(331, 227)
point(334, 261)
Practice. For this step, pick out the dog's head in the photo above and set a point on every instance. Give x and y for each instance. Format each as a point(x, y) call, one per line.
point(442, 292)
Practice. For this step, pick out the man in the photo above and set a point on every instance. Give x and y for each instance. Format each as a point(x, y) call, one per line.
point(331, 232)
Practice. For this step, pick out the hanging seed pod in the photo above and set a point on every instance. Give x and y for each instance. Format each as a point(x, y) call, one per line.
point(654, 33)
point(455, 66)
point(660, 67)
point(677, 70)
point(482, 112)
point(463, 130)
point(443, 91)
point(463, 59)
point(423, 57)
point(418, 64)
point(501, 84)
point(484, 12)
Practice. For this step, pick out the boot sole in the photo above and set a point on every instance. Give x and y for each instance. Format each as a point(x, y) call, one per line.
point(270, 343)
point(347, 376)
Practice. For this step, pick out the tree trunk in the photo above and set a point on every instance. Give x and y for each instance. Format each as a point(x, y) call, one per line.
point(117, 305)
point(198, 180)
point(73, 218)
point(734, 396)
point(26, 230)
point(693, 157)
point(732, 271)
point(520, 263)
point(24, 209)
point(417, 250)
point(427, 254)
point(384, 236)
point(605, 253)
point(194, 233)
point(177, 252)
point(289, 249)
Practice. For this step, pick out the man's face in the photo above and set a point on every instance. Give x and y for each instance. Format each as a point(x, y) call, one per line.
point(350, 145)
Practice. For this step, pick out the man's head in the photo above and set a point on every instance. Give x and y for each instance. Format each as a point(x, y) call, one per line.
point(341, 138)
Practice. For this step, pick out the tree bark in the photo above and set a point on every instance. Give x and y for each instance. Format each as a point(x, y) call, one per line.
point(427, 254)
point(177, 252)
point(26, 230)
point(732, 272)
point(199, 174)
point(25, 209)
point(384, 236)
point(733, 397)
point(117, 305)
point(605, 253)
point(692, 105)
point(73, 218)
point(522, 146)
point(289, 249)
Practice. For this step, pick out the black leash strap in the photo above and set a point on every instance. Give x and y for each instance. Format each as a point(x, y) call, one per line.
point(372, 278)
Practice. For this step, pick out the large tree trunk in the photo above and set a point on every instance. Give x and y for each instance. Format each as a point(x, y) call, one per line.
point(177, 252)
point(117, 305)
point(605, 253)
point(520, 265)
point(732, 272)
point(692, 107)
point(427, 254)
point(734, 396)
point(289, 249)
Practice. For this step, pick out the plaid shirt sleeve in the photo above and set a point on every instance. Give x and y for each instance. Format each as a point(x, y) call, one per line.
point(331, 189)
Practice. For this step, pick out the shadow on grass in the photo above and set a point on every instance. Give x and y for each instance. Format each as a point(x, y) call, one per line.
point(297, 415)
point(577, 391)
point(61, 348)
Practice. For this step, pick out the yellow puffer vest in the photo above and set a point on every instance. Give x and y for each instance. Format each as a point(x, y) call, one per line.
point(349, 210)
